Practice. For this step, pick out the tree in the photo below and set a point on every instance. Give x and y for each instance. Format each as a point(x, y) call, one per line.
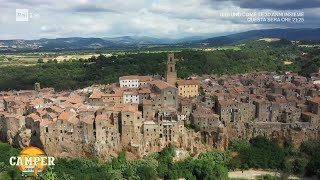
point(40, 60)
point(146, 173)
point(50, 174)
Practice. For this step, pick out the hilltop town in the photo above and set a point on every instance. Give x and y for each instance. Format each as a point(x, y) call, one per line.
point(144, 114)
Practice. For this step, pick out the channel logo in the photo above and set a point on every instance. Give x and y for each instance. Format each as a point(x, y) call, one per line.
point(31, 161)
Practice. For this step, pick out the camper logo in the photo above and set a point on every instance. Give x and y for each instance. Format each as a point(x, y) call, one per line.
point(31, 161)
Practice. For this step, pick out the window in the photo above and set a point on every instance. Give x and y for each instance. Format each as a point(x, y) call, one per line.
point(47, 129)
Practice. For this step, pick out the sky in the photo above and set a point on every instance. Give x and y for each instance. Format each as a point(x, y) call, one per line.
point(156, 18)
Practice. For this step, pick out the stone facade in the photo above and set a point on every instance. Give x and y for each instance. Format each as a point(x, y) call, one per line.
point(188, 88)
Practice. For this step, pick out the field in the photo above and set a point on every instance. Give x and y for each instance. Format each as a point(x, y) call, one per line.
point(236, 48)
point(310, 45)
point(29, 59)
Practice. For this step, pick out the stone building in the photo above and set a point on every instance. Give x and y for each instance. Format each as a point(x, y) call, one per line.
point(205, 119)
point(148, 110)
point(165, 94)
point(131, 96)
point(314, 105)
point(171, 74)
point(134, 81)
point(131, 122)
point(188, 88)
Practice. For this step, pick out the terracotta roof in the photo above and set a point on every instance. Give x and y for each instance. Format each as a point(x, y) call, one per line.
point(241, 89)
point(9, 99)
point(75, 100)
point(74, 120)
point(64, 116)
point(281, 100)
point(57, 109)
point(102, 117)
point(146, 102)
point(3, 113)
point(161, 84)
point(131, 92)
point(315, 100)
point(308, 114)
point(36, 102)
point(45, 122)
point(88, 120)
point(34, 116)
point(226, 102)
point(96, 95)
point(187, 82)
point(168, 108)
point(288, 86)
point(12, 116)
point(131, 108)
point(52, 115)
point(144, 91)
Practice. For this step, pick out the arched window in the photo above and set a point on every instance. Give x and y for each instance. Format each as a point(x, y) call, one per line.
point(170, 69)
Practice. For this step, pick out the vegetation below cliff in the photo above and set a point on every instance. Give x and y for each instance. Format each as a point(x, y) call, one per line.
point(255, 55)
point(258, 153)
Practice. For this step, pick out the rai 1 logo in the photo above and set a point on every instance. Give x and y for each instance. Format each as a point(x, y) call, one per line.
point(31, 161)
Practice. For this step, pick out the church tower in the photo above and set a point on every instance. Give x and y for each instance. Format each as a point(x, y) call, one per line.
point(37, 87)
point(171, 74)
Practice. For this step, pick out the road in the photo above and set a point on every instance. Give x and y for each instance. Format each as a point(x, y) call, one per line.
point(252, 174)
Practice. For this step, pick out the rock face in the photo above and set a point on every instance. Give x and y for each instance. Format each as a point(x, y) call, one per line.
point(293, 132)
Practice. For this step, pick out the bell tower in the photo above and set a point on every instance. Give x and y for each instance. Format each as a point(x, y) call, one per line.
point(37, 87)
point(171, 74)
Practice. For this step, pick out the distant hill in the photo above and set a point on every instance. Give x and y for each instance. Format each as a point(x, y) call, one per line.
point(289, 34)
point(79, 43)
point(127, 42)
